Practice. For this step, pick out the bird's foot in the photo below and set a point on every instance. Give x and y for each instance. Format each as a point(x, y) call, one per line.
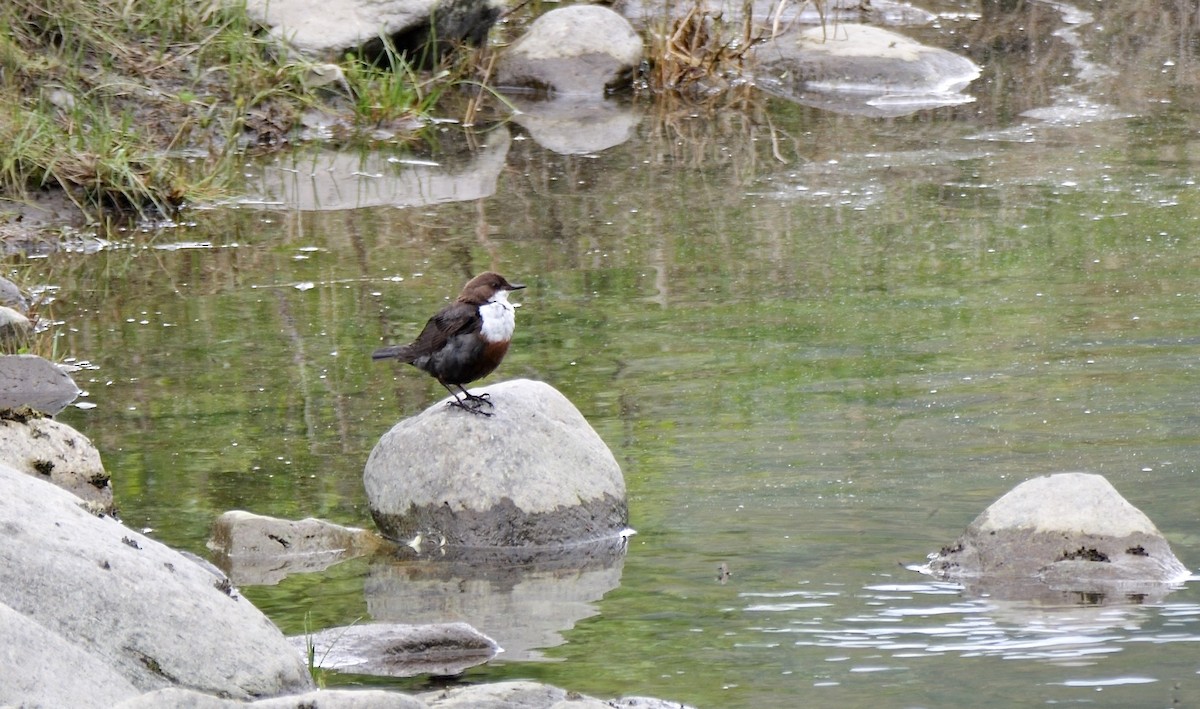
point(471, 405)
point(480, 399)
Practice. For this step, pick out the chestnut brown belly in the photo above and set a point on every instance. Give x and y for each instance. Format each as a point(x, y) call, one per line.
point(465, 363)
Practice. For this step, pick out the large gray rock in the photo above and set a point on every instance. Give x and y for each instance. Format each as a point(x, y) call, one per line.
point(29, 380)
point(143, 611)
point(533, 474)
point(1070, 531)
point(53, 451)
point(260, 550)
point(398, 649)
point(327, 30)
point(578, 50)
point(45, 669)
point(867, 69)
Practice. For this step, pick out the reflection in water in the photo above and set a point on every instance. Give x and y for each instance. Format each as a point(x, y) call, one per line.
point(524, 606)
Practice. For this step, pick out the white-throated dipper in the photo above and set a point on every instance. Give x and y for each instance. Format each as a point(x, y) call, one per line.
point(465, 341)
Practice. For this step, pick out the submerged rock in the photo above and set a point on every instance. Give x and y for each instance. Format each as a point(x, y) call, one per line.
point(29, 380)
point(579, 50)
point(140, 610)
point(55, 452)
point(533, 474)
point(861, 69)
point(1069, 531)
point(398, 650)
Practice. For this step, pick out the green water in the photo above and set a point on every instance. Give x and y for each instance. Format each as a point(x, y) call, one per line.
point(815, 370)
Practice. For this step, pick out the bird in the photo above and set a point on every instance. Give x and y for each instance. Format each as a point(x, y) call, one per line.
point(464, 341)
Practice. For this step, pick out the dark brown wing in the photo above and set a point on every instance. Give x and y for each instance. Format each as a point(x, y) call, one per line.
point(451, 320)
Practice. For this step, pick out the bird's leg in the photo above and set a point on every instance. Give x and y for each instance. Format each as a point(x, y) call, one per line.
point(479, 399)
point(459, 403)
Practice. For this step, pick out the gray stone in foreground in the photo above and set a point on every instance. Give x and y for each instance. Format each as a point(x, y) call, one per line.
point(55, 452)
point(578, 50)
point(143, 611)
point(319, 699)
point(1068, 530)
point(398, 649)
point(29, 380)
point(534, 473)
point(871, 70)
point(259, 550)
point(503, 695)
point(44, 669)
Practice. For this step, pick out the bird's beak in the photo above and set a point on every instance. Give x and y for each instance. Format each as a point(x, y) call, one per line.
point(516, 286)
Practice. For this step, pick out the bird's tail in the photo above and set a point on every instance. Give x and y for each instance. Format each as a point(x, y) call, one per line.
point(400, 352)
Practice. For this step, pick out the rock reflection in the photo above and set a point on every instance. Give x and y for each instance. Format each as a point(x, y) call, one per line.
point(330, 180)
point(575, 126)
point(524, 601)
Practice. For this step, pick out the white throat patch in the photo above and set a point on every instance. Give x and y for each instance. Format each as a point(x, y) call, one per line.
point(499, 317)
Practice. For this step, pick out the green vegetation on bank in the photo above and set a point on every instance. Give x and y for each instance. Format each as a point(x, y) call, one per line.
point(136, 108)
point(102, 97)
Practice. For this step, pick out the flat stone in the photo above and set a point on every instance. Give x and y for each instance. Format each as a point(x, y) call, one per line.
point(881, 72)
point(399, 649)
point(29, 380)
point(534, 473)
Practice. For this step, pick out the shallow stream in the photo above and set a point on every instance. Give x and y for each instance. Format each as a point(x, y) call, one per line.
point(818, 344)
